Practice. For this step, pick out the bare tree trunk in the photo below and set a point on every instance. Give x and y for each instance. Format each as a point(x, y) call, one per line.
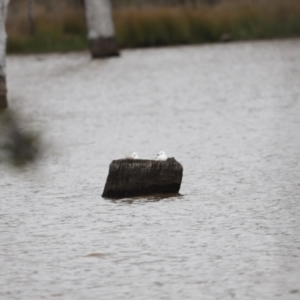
point(100, 28)
point(3, 100)
point(30, 17)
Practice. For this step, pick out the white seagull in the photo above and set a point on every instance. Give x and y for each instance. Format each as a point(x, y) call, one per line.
point(161, 156)
point(134, 155)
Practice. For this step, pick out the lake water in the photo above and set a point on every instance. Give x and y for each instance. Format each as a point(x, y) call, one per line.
point(229, 113)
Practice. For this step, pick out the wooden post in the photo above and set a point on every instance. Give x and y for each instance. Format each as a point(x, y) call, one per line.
point(3, 100)
point(101, 33)
point(141, 177)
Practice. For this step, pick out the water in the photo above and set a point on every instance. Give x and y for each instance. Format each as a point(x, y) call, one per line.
point(229, 113)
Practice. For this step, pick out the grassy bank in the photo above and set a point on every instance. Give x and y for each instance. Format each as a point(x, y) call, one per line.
point(60, 30)
point(65, 30)
point(171, 26)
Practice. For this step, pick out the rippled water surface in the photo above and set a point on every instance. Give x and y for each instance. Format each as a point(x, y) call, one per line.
point(229, 113)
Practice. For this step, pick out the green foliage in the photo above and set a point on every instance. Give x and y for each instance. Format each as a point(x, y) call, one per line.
point(41, 43)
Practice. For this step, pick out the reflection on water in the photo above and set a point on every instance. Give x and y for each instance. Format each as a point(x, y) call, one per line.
point(154, 198)
point(228, 113)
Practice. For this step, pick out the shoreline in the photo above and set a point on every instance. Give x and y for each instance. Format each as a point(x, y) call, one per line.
point(75, 52)
point(65, 30)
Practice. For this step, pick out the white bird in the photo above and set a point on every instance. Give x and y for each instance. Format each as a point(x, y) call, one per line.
point(161, 156)
point(134, 155)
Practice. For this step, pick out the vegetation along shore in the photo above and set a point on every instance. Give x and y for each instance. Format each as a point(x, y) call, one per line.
point(62, 28)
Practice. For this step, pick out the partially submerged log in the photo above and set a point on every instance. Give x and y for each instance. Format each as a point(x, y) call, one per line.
point(140, 177)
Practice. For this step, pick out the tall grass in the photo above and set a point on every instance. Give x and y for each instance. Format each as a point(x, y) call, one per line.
point(203, 24)
point(55, 31)
point(65, 29)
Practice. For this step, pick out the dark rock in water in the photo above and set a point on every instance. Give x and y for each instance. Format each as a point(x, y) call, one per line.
point(141, 177)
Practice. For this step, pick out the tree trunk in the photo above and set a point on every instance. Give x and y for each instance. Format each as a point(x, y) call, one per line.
point(3, 100)
point(30, 17)
point(100, 28)
point(139, 177)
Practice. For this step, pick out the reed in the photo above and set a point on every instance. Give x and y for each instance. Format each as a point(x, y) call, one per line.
point(203, 24)
point(65, 29)
point(54, 31)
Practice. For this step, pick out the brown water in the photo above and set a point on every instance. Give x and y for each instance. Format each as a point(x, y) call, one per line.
point(229, 113)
